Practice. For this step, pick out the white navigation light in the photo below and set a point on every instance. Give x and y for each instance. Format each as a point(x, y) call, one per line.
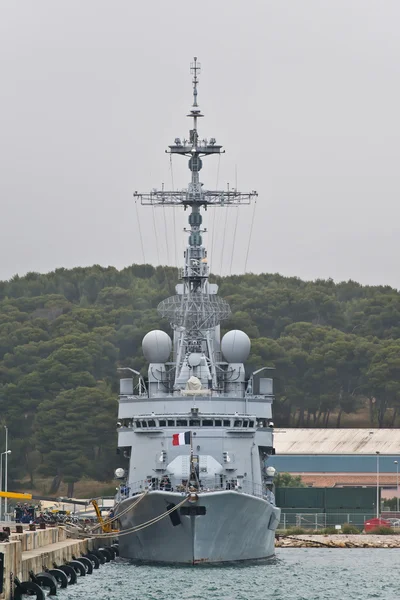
point(119, 473)
point(157, 346)
point(235, 346)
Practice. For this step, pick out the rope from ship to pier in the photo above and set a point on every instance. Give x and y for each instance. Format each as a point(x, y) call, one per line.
point(143, 525)
point(112, 519)
point(107, 521)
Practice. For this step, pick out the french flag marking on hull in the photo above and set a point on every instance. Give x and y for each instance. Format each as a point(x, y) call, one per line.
point(181, 439)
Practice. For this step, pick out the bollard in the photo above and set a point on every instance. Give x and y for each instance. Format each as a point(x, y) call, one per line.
point(19, 529)
point(32, 527)
point(42, 525)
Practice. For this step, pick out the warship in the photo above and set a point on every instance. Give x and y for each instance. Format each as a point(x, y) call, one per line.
point(198, 431)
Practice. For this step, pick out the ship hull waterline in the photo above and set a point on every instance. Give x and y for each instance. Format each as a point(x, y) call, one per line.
point(236, 527)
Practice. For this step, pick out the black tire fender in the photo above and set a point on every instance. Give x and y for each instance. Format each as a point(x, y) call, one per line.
point(70, 573)
point(104, 552)
point(46, 580)
point(100, 556)
point(78, 566)
point(111, 551)
point(116, 548)
point(31, 588)
point(93, 559)
point(60, 577)
point(87, 563)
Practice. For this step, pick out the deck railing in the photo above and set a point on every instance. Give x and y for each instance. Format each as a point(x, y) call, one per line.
point(206, 484)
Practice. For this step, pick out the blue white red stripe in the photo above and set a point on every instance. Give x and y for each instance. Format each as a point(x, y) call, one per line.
point(181, 439)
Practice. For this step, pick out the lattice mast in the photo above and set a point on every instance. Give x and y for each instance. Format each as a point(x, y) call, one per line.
point(196, 312)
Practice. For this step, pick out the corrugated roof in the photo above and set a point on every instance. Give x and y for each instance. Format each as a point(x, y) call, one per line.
point(347, 479)
point(337, 441)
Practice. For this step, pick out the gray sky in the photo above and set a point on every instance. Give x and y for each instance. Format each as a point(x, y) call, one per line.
point(303, 94)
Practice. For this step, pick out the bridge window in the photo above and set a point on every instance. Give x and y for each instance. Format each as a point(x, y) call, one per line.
point(207, 422)
point(152, 423)
point(162, 422)
point(138, 424)
point(245, 423)
point(181, 422)
point(218, 422)
point(251, 423)
point(194, 422)
point(144, 423)
point(171, 423)
point(237, 423)
point(227, 423)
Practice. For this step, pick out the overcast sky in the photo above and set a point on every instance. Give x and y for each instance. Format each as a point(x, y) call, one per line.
point(304, 95)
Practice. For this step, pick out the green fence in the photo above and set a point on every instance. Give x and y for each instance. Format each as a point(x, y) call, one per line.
point(351, 499)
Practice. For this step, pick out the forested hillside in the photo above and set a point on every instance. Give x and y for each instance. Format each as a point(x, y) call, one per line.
point(63, 335)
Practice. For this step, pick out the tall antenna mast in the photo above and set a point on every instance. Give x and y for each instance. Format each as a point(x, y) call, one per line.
point(196, 310)
point(194, 67)
point(194, 148)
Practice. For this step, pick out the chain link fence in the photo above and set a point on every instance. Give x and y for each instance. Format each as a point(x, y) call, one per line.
point(315, 521)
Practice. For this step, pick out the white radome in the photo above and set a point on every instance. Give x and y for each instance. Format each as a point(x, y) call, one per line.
point(119, 473)
point(157, 346)
point(235, 346)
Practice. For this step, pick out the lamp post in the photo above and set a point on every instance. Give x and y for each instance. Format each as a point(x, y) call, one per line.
point(377, 484)
point(396, 462)
point(6, 472)
point(1, 478)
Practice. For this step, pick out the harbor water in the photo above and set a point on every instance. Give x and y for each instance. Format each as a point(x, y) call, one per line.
point(295, 574)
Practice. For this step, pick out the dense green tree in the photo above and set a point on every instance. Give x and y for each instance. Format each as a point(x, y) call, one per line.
point(287, 480)
point(73, 434)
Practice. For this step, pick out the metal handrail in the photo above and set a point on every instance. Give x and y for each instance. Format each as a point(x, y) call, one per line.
point(207, 484)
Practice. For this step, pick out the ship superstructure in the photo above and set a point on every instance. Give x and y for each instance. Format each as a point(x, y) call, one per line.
point(214, 495)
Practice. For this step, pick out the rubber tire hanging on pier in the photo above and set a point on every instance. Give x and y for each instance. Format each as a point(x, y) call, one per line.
point(70, 573)
point(60, 577)
point(111, 551)
point(47, 581)
point(78, 566)
point(29, 588)
point(94, 560)
point(100, 556)
point(87, 563)
point(106, 554)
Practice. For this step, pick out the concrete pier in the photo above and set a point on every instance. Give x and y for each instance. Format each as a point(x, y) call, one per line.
point(34, 550)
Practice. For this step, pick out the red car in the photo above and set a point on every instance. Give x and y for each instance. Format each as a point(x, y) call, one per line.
point(374, 523)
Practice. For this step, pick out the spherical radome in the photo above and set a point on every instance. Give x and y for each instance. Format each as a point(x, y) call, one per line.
point(156, 346)
point(194, 359)
point(119, 473)
point(235, 346)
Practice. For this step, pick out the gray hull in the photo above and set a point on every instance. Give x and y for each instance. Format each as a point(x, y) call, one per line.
point(235, 527)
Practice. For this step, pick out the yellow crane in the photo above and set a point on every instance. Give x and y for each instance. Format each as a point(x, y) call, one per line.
point(106, 526)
